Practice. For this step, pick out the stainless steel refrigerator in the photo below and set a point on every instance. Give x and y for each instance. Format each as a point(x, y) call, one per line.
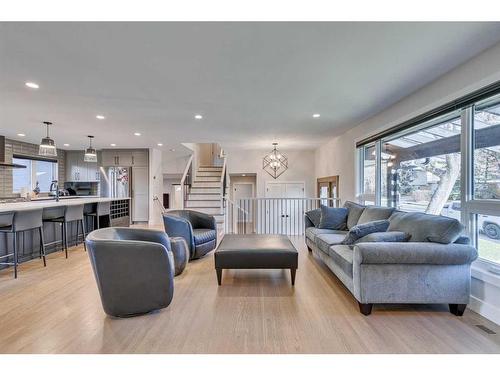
point(116, 182)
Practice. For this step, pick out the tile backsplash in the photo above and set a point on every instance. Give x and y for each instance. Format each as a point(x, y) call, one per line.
point(13, 147)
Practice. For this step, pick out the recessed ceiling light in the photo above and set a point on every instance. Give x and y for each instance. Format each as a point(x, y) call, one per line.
point(66, 145)
point(32, 85)
point(160, 144)
point(316, 115)
point(100, 117)
point(172, 149)
point(113, 144)
point(198, 117)
point(137, 134)
point(21, 135)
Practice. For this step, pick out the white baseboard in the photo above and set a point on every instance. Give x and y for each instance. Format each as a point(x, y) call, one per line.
point(485, 309)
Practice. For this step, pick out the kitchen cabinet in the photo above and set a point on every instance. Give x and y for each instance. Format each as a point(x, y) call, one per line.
point(79, 170)
point(125, 158)
point(140, 194)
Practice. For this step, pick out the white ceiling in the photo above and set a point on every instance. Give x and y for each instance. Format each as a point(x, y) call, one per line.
point(254, 83)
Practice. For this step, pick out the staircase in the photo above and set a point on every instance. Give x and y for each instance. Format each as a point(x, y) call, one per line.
point(205, 194)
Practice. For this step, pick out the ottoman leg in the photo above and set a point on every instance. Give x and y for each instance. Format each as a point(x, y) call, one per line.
point(219, 275)
point(292, 274)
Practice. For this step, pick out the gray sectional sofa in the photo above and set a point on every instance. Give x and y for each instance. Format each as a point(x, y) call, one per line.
point(419, 259)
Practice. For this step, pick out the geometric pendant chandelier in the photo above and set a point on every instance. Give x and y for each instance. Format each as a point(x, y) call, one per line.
point(275, 163)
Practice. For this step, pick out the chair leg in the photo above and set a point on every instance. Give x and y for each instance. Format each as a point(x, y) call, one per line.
point(84, 235)
point(65, 225)
point(77, 241)
point(14, 243)
point(42, 246)
point(62, 236)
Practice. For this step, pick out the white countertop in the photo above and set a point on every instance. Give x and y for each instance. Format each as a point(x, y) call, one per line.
point(41, 203)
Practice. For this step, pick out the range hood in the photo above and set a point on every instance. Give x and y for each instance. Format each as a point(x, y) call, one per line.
point(3, 163)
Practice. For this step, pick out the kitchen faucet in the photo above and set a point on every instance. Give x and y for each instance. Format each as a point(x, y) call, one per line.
point(54, 186)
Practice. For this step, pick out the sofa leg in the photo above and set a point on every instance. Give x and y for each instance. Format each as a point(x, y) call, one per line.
point(457, 309)
point(219, 275)
point(365, 308)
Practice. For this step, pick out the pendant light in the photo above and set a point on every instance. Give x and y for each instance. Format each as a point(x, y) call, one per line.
point(90, 152)
point(47, 145)
point(275, 163)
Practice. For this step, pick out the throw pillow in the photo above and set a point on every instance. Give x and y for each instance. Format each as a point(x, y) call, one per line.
point(314, 216)
point(361, 230)
point(355, 211)
point(333, 218)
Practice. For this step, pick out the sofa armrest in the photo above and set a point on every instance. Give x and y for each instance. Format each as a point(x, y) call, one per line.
point(413, 253)
point(308, 223)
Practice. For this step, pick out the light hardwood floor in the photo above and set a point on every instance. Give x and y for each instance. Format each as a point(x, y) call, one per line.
point(57, 310)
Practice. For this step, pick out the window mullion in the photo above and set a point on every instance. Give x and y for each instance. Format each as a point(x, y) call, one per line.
point(378, 172)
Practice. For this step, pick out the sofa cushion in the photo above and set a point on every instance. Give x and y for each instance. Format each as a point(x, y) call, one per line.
point(324, 241)
point(333, 218)
point(312, 232)
point(374, 213)
point(354, 212)
point(342, 255)
point(202, 236)
point(385, 237)
point(426, 228)
point(362, 230)
point(314, 216)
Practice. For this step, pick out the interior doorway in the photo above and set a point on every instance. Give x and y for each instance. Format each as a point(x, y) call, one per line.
point(328, 187)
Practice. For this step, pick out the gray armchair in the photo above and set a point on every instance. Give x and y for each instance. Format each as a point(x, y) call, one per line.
point(198, 229)
point(134, 269)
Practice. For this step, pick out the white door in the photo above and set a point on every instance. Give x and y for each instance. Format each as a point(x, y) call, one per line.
point(283, 211)
point(140, 194)
point(293, 215)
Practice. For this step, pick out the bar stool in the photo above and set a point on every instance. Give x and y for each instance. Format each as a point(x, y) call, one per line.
point(96, 210)
point(22, 221)
point(65, 215)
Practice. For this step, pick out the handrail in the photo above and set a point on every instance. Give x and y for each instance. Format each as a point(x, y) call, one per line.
point(186, 170)
point(183, 179)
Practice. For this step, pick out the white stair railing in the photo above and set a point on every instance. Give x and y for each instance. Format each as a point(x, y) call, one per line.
point(186, 181)
point(271, 215)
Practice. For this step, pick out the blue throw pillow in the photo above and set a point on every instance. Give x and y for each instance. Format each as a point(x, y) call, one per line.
point(361, 230)
point(333, 218)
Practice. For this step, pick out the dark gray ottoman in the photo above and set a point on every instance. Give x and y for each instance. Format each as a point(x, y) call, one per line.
point(245, 251)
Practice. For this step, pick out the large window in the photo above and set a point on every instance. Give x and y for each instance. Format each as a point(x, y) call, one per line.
point(39, 172)
point(368, 196)
point(420, 168)
point(447, 164)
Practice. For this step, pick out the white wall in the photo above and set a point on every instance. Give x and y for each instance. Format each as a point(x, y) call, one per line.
point(337, 157)
point(300, 163)
point(173, 163)
point(155, 185)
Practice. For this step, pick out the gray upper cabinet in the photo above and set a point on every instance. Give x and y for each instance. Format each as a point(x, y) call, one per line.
point(79, 170)
point(125, 158)
point(140, 158)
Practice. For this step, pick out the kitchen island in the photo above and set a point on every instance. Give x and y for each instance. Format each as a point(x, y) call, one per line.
point(28, 242)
